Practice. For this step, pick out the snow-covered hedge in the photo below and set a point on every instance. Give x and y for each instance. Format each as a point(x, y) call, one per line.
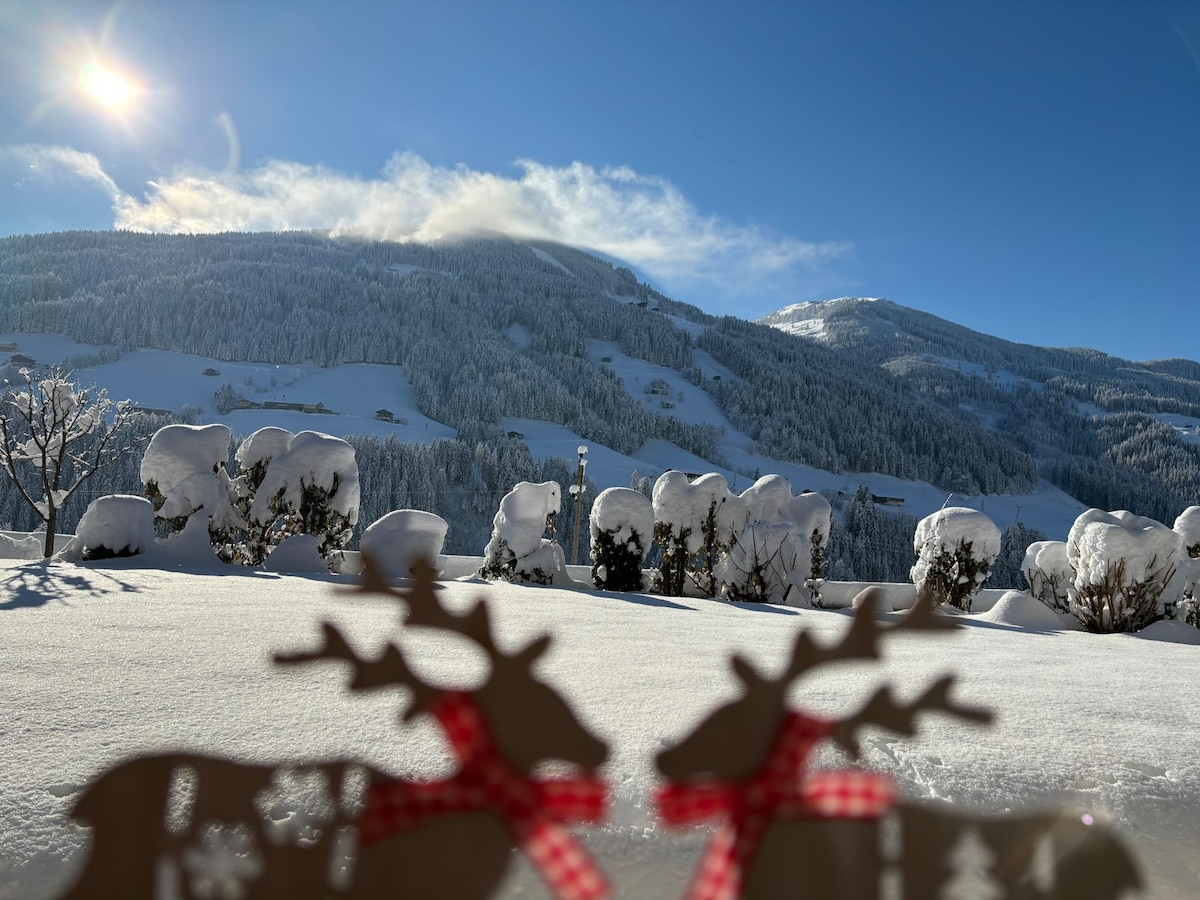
point(955, 549)
point(776, 551)
point(693, 524)
point(1122, 566)
point(766, 563)
point(402, 537)
point(517, 549)
point(183, 470)
point(284, 484)
point(1048, 572)
point(116, 525)
point(621, 525)
point(759, 545)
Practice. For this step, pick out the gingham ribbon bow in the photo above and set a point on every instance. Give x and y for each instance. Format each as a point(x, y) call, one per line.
point(779, 790)
point(534, 809)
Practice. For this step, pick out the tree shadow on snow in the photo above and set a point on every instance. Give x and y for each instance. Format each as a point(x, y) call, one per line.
point(39, 583)
point(642, 600)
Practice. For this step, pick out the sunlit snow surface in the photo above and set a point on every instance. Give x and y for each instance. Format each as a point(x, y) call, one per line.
point(102, 662)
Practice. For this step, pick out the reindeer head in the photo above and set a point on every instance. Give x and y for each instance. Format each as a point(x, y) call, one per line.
point(529, 721)
point(734, 741)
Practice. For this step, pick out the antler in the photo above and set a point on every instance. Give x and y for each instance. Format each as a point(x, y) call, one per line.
point(862, 639)
point(423, 606)
point(883, 710)
point(389, 670)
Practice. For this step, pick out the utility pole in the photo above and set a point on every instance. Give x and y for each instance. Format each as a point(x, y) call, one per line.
point(576, 491)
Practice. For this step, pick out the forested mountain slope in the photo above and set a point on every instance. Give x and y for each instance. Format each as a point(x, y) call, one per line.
point(488, 328)
point(1113, 433)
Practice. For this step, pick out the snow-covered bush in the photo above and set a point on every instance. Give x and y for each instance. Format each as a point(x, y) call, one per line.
point(285, 484)
point(1122, 567)
point(811, 515)
point(116, 525)
point(955, 548)
point(402, 537)
point(183, 470)
point(1187, 526)
point(766, 563)
point(693, 524)
point(621, 526)
point(777, 543)
point(1049, 573)
point(310, 486)
point(517, 549)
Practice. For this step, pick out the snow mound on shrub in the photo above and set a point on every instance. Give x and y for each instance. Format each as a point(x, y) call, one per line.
point(187, 463)
point(298, 554)
point(681, 505)
point(947, 528)
point(521, 520)
point(310, 459)
point(1048, 573)
point(621, 512)
point(263, 446)
point(116, 524)
point(1019, 609)
point(400, 538)
point(1100, 540)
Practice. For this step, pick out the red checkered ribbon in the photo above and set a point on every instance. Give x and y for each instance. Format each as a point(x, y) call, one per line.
point(534, 809)
point(778, 790)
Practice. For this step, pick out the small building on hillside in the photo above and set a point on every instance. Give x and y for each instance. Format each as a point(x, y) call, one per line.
point(210, 371)
point(384, 415)
point(20, 359)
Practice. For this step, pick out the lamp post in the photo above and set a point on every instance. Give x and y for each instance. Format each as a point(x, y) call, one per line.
point(576, 491)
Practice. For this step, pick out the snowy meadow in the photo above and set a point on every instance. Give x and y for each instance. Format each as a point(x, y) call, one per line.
point(106, 660)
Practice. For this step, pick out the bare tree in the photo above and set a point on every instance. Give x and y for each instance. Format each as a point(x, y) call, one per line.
point(56, 436)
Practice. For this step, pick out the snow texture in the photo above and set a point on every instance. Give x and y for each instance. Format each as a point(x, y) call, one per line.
point(119, 523)
point(1018, 609)
point(1131, 549)
point(163, 660)
point(187, 463)
point(402, 537)
point(21, 546)
point(300, 553)
point(622, 512)
point(1187, 526)
point(1048, 572)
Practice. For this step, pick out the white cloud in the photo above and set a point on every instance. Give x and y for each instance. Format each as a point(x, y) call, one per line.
point(44, 162)
point(616, 211)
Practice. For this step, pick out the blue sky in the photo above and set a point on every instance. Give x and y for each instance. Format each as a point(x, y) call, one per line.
point(1029, 169)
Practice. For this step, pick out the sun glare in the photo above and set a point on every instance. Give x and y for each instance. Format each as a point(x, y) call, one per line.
point(106, 87)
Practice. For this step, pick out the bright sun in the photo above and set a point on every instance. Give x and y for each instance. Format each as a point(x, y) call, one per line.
point(106, 87)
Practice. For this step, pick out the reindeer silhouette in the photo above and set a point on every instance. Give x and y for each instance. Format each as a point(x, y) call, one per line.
point(788, 832)
point(386, 837)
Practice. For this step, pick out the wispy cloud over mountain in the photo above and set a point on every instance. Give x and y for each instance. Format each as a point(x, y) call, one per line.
point(644, 220)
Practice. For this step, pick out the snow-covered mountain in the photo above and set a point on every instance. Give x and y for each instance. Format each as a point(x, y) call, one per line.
point(490, 361)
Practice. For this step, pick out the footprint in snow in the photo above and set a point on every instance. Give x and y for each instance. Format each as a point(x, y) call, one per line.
point(65, 789)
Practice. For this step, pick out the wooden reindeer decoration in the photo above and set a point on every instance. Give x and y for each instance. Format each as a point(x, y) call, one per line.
point(403, 838)
point(788, 832)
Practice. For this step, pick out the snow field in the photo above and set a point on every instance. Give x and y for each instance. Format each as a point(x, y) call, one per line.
point(108, 660)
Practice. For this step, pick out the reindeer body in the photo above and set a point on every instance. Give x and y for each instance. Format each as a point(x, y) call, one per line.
point(385, 837)
point(787, 832)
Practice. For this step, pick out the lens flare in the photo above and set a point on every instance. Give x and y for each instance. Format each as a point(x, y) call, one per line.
point(106, 87)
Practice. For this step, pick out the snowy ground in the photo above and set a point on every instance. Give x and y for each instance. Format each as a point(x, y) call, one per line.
point(104, 661)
